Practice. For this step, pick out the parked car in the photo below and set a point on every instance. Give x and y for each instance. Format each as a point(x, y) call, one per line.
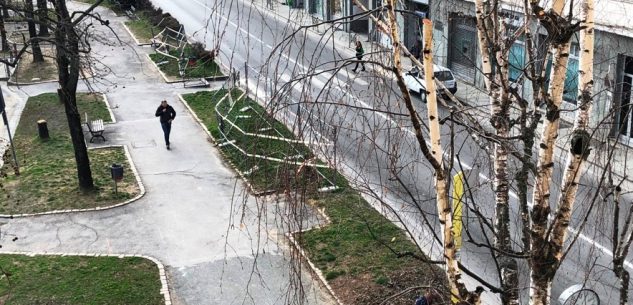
point(414, 80)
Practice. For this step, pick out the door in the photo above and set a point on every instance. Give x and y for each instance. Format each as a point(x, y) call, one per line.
point(626, 118)
point(463, 48)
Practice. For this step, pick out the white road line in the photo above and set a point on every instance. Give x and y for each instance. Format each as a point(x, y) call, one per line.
point(513, 194)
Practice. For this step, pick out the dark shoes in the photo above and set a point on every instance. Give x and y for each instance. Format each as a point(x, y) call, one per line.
point(168, 147)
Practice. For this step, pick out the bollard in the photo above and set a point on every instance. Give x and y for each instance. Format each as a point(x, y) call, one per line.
point(42, 129)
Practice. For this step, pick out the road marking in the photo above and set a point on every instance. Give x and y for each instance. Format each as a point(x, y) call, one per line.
point(511, 193)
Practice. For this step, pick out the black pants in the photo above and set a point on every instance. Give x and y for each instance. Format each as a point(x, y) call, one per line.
point(359, 62)
point(166, 130)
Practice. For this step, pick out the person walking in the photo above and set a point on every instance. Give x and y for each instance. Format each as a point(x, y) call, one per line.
point(167, 114)
point(359, 55)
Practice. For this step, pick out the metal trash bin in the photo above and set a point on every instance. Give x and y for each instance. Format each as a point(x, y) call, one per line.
point(116, 170)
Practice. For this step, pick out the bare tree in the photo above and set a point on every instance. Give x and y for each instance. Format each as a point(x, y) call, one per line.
point(3, 32)
point(33, 39)
point(71, 41)
point(42, 17)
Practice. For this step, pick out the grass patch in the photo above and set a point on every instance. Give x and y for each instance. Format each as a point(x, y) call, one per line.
point(269, 174)
point(106, 3)
point(48, 174)
point(79, 280)
point(27, 71)
point(362, 254)
point(142, 28)
point(201, 69)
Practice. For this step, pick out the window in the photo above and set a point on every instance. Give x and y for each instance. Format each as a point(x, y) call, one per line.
point(443, 75)
point(516, 59)
point(570, 92)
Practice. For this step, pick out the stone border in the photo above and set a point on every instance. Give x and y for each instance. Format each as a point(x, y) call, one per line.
point(12, 83)
point(246, 181)
point(161, 268)
point(137, 197)
point(313, 268)
point(316, 271)
point(176, 81)
point(136, 41)
point(105, 100)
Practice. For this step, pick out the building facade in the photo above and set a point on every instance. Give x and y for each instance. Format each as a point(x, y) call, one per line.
point(456, 47)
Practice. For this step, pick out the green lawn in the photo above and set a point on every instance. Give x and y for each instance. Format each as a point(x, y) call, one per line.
point(58, 280)
point(364, 256)
point(201, 69)
point(106, 3)
point(270, 174)
point(27, 71)
point(142, 28)
point(47, 179)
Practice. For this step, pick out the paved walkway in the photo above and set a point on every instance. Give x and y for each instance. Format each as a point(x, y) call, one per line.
point(218, 244)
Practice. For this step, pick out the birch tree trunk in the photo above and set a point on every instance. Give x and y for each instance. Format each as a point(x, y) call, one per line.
point(458, 290)
point(488, 30)
point(579, 149)
point(621, 245)
point(543, 263)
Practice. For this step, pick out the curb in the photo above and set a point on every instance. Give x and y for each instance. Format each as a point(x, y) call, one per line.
point(105, 99)
point(136, 41)
point(12, 83)
point(177, 81)
point(137, 197)
point(161, 268)
point(316, 271)
point(159, 70)
point(225, 158)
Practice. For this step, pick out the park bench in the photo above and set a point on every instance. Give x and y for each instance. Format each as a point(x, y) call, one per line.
point(131, 13)
point(196, 83)
point(95, 128)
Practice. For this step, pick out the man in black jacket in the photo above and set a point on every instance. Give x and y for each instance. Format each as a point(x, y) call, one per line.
point(167, 114)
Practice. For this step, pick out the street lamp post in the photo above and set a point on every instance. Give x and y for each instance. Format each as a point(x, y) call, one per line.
point(6, 123)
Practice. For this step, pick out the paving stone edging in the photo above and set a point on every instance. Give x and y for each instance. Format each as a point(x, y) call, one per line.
point(315, 270)
point(247, 182)
point(137, 197)
point(161, 268)
point(136, 41)
point(177, 81)
point(12, 83)
point(107, 102)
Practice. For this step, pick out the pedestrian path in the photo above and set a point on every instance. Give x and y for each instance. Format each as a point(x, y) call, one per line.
point(216, 242)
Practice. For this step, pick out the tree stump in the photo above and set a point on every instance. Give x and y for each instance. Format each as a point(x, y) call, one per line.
point(42, 129)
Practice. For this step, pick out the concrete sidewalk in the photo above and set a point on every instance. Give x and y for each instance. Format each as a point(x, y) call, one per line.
point(219, 245)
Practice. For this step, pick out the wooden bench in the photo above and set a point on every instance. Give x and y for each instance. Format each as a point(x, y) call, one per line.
point(95, 128)
point(131, 13)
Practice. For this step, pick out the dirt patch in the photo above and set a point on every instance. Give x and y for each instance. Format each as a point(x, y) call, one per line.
point(365, 289)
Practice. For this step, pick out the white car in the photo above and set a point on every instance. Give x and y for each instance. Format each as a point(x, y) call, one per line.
point(414, 80)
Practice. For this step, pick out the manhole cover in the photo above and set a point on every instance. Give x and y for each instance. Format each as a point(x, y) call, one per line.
point(144, 144)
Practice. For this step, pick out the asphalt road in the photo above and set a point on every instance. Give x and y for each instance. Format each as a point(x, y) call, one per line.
point(371, 146)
